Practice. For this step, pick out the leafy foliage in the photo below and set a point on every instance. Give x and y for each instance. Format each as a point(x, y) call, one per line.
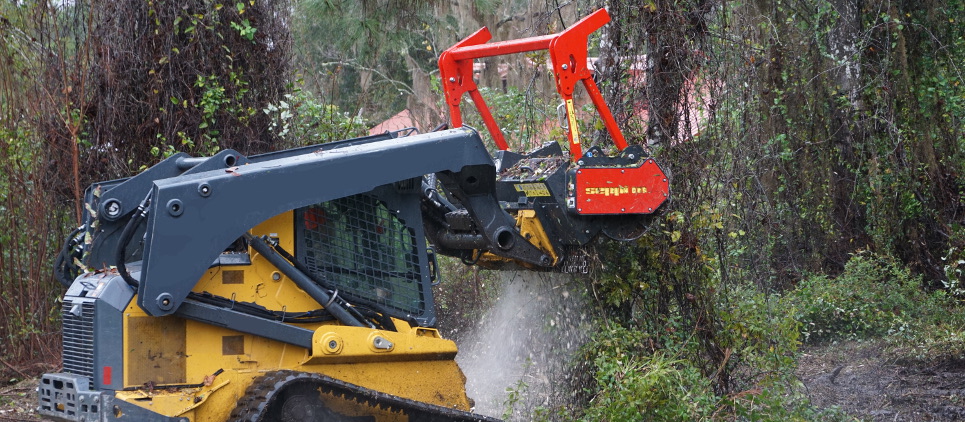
point(525, 120)
point(27, 247)
point(300, 119)
point(637, 387)
point(872, 297)
point(357, 55)
point(876, 297)
point(634, 386)
point(158, 77)
point(814, 144)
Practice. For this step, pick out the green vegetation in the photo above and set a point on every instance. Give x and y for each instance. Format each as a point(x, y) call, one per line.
point(877, 298)
point(831, 130)
point(300, 119)
point(817, 150)
point(650, 369)
point(521, 117)
point(872, 297)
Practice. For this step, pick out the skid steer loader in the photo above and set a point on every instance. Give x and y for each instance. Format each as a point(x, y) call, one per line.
point(297, 285)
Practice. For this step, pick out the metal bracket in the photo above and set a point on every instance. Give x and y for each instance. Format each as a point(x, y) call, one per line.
point(568, 54)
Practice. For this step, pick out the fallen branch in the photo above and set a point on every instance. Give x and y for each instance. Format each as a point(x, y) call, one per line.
point(14, 369)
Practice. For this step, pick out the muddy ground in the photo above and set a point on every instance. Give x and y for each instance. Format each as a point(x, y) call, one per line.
point(865, 379)
point(874, 383)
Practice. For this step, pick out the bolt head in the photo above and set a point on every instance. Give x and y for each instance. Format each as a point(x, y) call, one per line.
point(453, 80)
point(113, 209)
point(175, 207)
point(565, 67)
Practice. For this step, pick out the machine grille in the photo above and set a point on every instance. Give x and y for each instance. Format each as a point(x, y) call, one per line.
point(358, 246)
point(79, 338)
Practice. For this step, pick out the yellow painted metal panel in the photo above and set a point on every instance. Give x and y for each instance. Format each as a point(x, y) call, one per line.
point(414, 363)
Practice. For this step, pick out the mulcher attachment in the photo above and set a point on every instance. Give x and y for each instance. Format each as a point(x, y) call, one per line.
point(574, 194)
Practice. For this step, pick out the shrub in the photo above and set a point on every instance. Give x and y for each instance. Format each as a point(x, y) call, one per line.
point(759, 334)
point(635, 386)
point(874, 296)
point(301, 119)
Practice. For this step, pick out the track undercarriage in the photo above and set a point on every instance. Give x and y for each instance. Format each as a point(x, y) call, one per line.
point(289, 396)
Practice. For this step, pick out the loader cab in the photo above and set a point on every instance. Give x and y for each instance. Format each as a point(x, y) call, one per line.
point(366, 247)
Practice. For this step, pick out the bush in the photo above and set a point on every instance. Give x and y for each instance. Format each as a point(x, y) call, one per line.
point(761, 336)
point(301, 119)
point(874, 296)
point(29, 310)
point(634, 386)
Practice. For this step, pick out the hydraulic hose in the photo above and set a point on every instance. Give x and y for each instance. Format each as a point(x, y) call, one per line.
point(125, 239)
point(304, 270)
point(63, 263)
point(303, 282)
point(429, 191)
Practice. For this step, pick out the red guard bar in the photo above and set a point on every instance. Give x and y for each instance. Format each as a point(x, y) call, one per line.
point(568, 54)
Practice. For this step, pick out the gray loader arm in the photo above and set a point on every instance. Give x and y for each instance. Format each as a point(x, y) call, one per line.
point(193, 216)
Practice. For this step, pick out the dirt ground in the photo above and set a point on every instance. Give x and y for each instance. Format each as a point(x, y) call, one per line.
point(18, 389)
point(865, 379)
point(18, 401)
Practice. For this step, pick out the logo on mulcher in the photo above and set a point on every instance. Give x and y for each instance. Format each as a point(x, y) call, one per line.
point(617, 191)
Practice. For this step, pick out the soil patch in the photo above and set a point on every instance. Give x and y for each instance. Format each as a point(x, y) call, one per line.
point(18, 402)
point(868, 381)
point(18, 390)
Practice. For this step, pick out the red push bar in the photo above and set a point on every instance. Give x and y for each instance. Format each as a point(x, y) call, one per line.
point(568, 54)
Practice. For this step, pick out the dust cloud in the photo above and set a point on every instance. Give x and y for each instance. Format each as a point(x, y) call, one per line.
point(520, 356)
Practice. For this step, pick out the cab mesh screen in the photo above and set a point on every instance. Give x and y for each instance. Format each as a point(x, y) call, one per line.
point(357, 246)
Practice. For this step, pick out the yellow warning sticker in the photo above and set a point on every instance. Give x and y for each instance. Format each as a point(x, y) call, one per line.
point(532, 189)
point(571, 115)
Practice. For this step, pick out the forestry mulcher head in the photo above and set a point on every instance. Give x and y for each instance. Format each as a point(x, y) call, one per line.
point(561, 199)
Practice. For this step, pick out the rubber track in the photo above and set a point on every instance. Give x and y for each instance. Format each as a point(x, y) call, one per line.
point(264, 390)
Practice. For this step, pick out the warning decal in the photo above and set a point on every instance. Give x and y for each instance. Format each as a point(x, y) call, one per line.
point(532, 189)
